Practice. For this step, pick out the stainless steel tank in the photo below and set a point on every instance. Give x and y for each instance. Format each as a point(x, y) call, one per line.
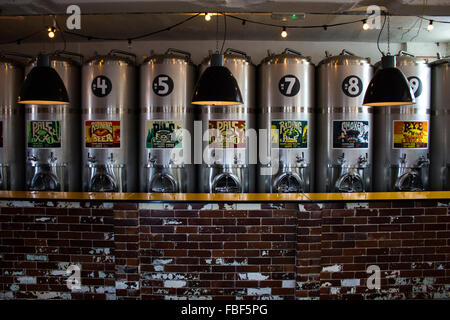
point(344, 125)
point(286, 123)
point(402, 134)
point(166, 123)
point(109, 124)
point(440, 120)
point(228, 150)
point(53, 133)
point(12, 166)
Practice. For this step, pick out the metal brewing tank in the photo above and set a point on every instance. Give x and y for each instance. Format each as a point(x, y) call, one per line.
point(52, 133)
point(440, 120)
point(109, 127)
point(403, 132)
point(286, 123)
point(344, 125)
point(228, 150)
point(167, 123)
point(11, 125)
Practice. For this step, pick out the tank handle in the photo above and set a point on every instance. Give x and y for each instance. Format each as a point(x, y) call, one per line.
point(126, 53)
point(345, 51)
point(404, 53)
point(235, 51)
point(292, 51)
point(70, 53)
point(173, 50)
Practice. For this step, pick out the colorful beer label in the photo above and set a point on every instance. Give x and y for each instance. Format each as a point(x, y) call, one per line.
point(289, 134)
point(164, 134)
point(410, 134)
point(227, 134)
point(350, 134)
point(102, 134)
point(43, 134)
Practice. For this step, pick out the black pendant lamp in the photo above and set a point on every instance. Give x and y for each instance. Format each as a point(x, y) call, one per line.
point(43, 85)
point(389, 86)
point(217, 85)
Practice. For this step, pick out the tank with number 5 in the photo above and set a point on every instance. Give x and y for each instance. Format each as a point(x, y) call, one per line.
point(286, 123)
point(166, 123)
point(109, 107)
point(403, 132)
point(344, 125)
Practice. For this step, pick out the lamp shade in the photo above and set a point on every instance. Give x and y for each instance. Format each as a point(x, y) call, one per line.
point(217, 86)
point(389, 86)
point(43, 85)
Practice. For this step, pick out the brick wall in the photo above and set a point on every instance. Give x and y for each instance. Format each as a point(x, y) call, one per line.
point(225, 251)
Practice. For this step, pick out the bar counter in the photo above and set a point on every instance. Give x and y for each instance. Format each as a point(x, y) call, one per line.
point(224, 197)
point(225, 246)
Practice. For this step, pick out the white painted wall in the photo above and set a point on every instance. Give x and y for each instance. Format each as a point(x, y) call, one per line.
point(257, 50)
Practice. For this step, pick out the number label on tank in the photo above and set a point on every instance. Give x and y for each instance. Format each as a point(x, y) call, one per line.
point(289, 134)
point(101, 86)
point(102, 134)
point(352, 86)
point(410, 134)
point(227, 134)
point(289, 85)
point(350, 134)
point(162, 85)
point(164, 134)
point(43, 134)
point(416, 85)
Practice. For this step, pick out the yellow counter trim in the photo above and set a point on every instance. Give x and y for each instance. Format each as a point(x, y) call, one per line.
point(224, 197)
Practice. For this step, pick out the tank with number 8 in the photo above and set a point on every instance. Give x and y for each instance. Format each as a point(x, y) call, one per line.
point(344, 135)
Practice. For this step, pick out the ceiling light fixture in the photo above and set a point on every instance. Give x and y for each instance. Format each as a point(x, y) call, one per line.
point(43, 85)
point(365, 25)
point(217, 85)
point(389, 86)
point(51, 32)
point(284, 32)
point(207, 16)
point(430, 26)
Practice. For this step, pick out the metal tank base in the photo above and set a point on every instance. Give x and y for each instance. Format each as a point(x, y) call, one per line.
point(225, 178)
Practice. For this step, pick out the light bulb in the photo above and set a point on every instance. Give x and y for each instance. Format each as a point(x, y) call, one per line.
point(365, 25)
point(430, 26)
point(207, 16)
point(284, 33)
point(51, 32)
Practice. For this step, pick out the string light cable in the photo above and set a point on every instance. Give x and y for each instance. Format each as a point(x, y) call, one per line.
point(193, 16)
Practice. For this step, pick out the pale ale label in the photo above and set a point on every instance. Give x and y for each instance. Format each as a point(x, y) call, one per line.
point(289, 134)
point(350, 134)
point(410, 134)
point(164, 134)
point(44, 134)
point(227, 134)
point(102, 134)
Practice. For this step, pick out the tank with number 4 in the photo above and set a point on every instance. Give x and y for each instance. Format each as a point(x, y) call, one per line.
point(344, 125)
point(286, 123)
point(53, 133)
point(403, 132)
point(228, 160)
point(166, 123)
point(109, 106)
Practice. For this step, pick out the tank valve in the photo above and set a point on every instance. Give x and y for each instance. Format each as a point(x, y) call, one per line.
point(422, 162)
point(362, 161)
point(32, 157)
point(52, 158)
point(91, 159)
